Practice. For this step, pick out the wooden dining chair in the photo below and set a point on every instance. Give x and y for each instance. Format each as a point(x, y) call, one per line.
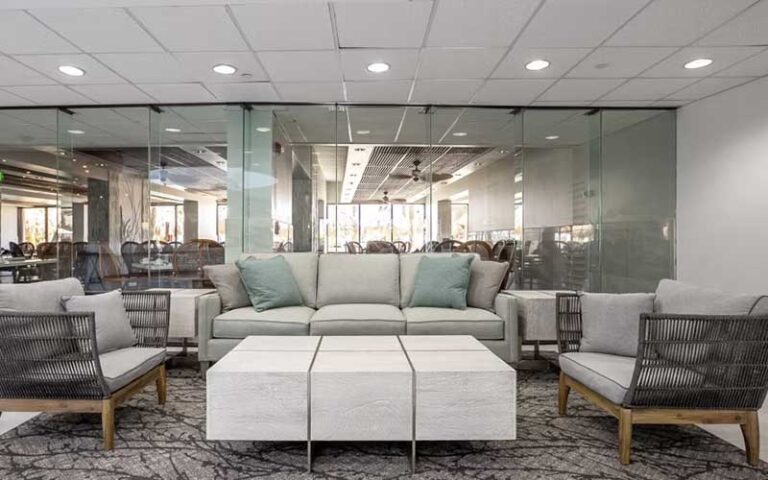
point(451, 246)
point(481, 248)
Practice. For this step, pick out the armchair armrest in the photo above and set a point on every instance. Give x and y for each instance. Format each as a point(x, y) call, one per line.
point(149, 313)
point(50, 356)
point(208, 307)
point(701, 362)
point(569, 330)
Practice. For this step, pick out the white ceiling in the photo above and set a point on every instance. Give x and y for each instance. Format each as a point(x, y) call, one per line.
point(603, 52)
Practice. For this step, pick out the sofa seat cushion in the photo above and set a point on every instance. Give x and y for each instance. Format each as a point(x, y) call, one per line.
point(608, 375)
point(241, 322)
point(481, 324)
point(358, 319)
point(121, 367)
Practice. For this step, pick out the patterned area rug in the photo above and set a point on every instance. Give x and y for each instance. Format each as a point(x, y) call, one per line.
point(169, 443)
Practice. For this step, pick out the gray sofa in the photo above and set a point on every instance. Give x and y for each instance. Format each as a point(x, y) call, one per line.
point(354, 295)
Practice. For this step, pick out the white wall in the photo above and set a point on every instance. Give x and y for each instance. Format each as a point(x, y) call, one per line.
point(722, 190)
point(9, 219)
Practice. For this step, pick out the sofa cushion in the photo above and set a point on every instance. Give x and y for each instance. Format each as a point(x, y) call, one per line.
point(678, 297)
point(113, 328)
point(611, 322)
point(40, 296)
point(442, 282)
point(481, 324)
point(485, 279)
point(346, 278)
point(357, 319)
point(304, 268)
point(226, 278)
point(608, 375)
point(241, 322)
point(121, 367)
point(269, 283)
point(409, 265)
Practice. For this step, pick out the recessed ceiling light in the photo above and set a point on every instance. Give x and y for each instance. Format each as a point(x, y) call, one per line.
point(377, 67)
point(363, 132)
point(263, 129)
point(536, 65)
point(75, 132)
point(173, 130)
point(459, 134)
point(552, 137)
point(71, 70)
point(224, 69)
point(698, 63)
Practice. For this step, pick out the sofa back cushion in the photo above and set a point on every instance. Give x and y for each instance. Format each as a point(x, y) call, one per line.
point(304, 268)
point(226, 278)
point(409, 265)
point(678, 297)
point(611, 322)
point(344, 278)
point(38, 297)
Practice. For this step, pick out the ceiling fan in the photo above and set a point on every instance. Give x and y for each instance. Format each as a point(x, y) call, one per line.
point(418, 176)
point(385, 200)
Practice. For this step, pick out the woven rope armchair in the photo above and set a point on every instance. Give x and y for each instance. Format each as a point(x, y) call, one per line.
point(689, 369)
point(51, 361)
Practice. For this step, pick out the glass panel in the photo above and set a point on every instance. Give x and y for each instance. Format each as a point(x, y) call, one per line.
point(408, 226)
point(375, 224)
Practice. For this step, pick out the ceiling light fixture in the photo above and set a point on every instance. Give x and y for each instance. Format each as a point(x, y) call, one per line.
point(377, 67)
point(459, 134)
point(75, 132)
point(173, 130)
point(263, 129)
point(536, 65)
point(363, 132)
point(71, 70)
point(698, 63)
point(224, 69)
point(552, 137)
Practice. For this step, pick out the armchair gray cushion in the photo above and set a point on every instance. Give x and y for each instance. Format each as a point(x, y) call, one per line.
point(40, 296)
point(678, 297)
point(357, 319)
point(608, 375)
point(113, 329)
point(481, 324)
point(226, 278)
point(241, 322)
point(611, 322)
point(121, 367)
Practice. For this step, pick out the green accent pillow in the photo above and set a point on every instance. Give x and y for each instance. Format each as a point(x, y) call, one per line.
point(442, 282)
point(269, 283)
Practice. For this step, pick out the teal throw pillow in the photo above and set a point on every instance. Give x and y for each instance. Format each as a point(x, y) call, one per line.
point(269, 283)
point(442, 282)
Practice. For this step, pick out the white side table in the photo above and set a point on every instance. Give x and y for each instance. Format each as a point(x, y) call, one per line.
point(183, 323)
point(537, 316)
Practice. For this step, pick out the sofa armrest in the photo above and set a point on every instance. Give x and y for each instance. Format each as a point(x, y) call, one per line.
point(208, 308)
point(506, 307)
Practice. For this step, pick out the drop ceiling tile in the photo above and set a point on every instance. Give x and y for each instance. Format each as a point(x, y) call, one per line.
point(21, 34)
point(675, 22)
point(111, 94)
point(191, 29)
point(381, 24)
point(582, 23)
point(302, 66)
point(749, 28)
point(756, 66)
point(707, 87)
point(95, 72)
point(490, 23)
point(619, 62)
point(575, 89)
point(8, 99)
point(624, 103)
point(98, 29)
point(560, 61)
point(292, 26)
point(648, 88)
point(243, 91)
point(14, 73)
point(145, 67)
point(177, 92)
point(445, 91)
point(511, 92)
point(199, 66)
point(50, 95)
point(671, 103)
point(402, 63)
point(542, 103)
point(458, 63)
point(310, 92)
point(722, 57)
point(393, 91)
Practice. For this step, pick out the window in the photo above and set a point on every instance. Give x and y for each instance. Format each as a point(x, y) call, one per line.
point(39, 224)
point(221, 222)
point(459, 221)
point(168, 223)
point(375, 223)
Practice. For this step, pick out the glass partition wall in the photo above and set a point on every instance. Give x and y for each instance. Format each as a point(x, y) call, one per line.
point(140, 197)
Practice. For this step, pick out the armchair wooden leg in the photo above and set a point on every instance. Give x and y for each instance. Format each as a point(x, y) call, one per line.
point(108, 423)
point(162, 385)
point(562, 397)
point(751, 432)
point(625, 435)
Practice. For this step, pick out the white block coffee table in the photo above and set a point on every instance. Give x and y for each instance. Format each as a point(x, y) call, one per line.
point(361, 388)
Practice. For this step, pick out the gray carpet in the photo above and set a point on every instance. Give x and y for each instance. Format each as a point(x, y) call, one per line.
point(169, 443)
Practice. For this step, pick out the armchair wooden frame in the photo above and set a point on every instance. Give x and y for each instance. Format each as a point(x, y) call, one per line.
point(690, 369)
